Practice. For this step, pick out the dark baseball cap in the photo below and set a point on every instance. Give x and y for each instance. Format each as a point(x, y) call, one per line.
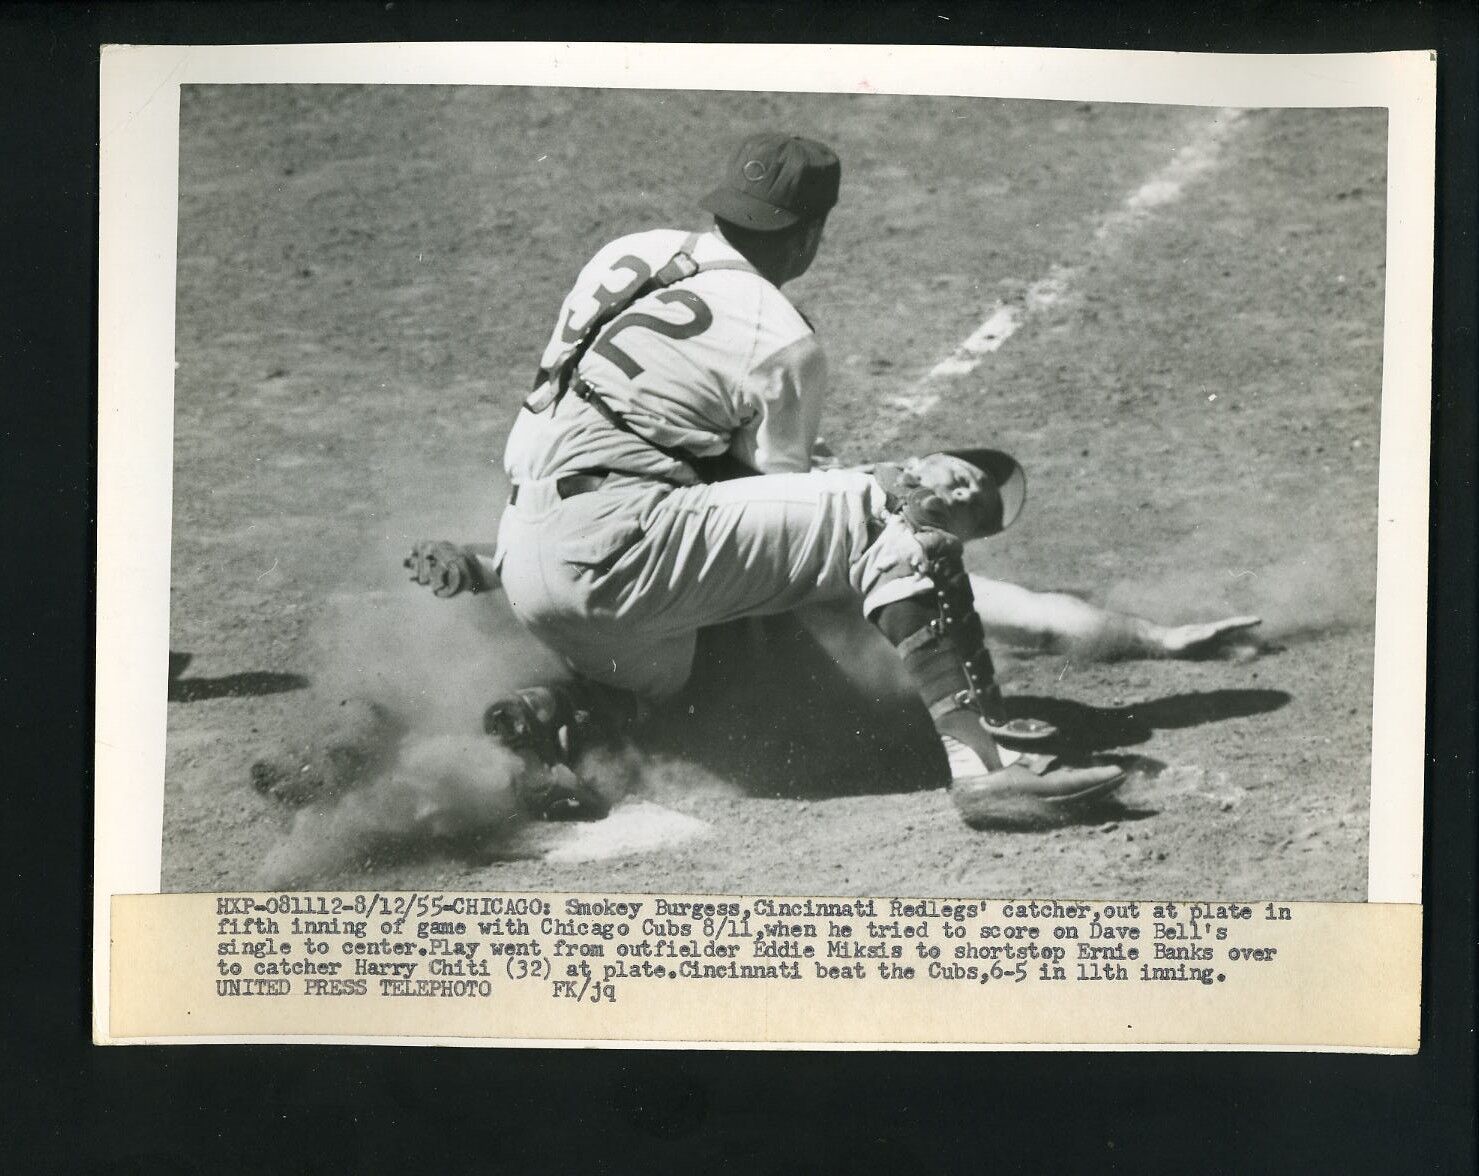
point(775, 181)
point(1009, 479)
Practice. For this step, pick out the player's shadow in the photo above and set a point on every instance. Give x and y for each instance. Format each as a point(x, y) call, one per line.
point(248, 684)
point(768, 710)
point(1085, 728)
point(789, 722)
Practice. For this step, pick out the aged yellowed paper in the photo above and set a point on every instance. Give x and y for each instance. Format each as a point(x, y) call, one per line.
point(1190, 292)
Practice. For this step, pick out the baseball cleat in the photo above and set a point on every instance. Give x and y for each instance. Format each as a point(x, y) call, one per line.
point(1003, 788)
point(545, 728)
point(1026, 795)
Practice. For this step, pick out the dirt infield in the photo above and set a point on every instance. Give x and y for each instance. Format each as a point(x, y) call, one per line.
point(1192, 380)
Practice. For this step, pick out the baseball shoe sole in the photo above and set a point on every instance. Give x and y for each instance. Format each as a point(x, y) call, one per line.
point(1016, 797)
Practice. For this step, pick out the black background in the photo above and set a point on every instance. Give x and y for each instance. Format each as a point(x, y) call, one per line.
point(68, 1107)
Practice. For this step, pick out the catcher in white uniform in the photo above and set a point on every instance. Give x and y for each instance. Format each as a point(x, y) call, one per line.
point(663, 481)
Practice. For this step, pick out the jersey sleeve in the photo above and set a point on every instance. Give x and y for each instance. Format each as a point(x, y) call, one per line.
point(781, 403)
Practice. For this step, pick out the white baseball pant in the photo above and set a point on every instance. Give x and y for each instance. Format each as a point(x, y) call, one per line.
point(618, 581)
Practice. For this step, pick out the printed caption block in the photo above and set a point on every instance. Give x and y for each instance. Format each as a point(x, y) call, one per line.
point(636, 968)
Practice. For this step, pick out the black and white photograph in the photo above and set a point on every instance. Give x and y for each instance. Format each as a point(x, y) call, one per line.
point(758, 600)
point(764, 492)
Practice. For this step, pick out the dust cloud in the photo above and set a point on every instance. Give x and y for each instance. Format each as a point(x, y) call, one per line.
point(1300, 591)
point(440, 791)
point(444, 788)
point(434, 665)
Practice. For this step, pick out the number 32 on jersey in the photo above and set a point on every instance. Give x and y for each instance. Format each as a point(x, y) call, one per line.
point(699, 320)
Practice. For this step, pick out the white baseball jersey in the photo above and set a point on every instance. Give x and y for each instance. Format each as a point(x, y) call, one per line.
point(717, 363)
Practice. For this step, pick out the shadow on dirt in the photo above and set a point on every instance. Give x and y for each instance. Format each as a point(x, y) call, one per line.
point(250, 684)
point(1088, 728)
point(772, 713)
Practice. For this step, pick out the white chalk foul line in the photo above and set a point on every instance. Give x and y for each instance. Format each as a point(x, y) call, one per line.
point(1191, 161)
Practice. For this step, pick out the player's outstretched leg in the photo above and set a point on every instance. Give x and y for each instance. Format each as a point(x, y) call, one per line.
point(1059, 621)
point(943, 646)
point(552, 729)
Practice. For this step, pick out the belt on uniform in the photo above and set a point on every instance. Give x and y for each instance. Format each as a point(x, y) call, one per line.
point(584, 482)
point(568, 486)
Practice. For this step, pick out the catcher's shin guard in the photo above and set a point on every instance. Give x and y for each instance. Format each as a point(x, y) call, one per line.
point(944, 647)
point(550, 728)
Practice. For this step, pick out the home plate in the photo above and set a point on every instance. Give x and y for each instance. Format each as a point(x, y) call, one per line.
point(633, 827)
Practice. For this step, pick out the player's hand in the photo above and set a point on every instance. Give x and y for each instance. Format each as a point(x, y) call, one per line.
point(1231, 637)
point(444, 568)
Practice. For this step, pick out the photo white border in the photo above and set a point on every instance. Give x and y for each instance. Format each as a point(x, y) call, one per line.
point(139, 172)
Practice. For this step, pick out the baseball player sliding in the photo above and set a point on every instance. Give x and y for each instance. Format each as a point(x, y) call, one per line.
point(663, 480)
